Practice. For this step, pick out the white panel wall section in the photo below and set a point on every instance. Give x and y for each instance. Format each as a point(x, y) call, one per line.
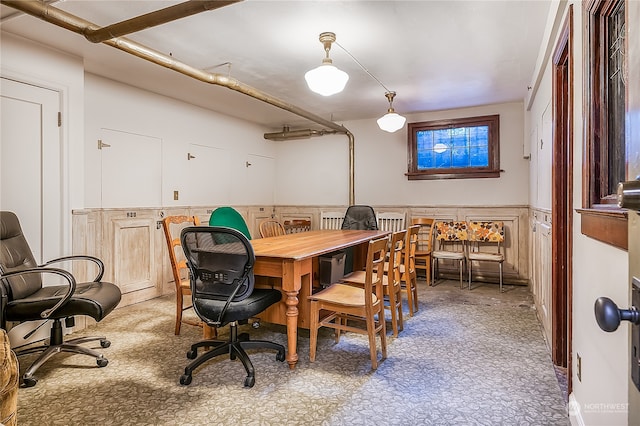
point(207, 176)
point(112, 105)
point(131, 169)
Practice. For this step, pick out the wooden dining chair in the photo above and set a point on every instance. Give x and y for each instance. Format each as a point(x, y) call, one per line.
point(409, 280)
point(180, 270)
point(390, 221)
point(391, 281)
point(451, 240)
point(294, 226)
point(341, 303)
point(425, 245)
point(486, 233)
point(271, 228)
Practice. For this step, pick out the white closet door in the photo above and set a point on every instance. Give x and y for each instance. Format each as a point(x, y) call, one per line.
point(209, 178)
point(30, 164)
point(260, 180)
point(131, 169)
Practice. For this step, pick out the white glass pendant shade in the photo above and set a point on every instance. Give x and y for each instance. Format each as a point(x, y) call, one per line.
point(326, 79)
point(391, 122)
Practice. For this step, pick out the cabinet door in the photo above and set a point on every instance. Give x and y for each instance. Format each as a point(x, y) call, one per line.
point(133, 254)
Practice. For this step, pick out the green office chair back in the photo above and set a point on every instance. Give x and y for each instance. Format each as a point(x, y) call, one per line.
point(229, 217)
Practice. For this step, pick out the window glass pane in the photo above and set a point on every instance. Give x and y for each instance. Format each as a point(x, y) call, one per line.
point(459, 137)
point(426, 160)
point(443, 160)
point(425, 140)
point(479, 157)
point(460, 157)
point(616, 100)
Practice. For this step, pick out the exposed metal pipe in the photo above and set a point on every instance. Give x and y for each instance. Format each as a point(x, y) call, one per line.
point(155, 18)
point(81, 26)
point(287, 134)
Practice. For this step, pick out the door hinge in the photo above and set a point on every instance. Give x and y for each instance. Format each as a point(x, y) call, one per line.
point(59, 119)
point(102, 144)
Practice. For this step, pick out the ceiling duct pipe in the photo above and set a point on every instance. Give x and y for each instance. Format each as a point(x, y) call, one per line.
point(81, 26)
point(287, 134)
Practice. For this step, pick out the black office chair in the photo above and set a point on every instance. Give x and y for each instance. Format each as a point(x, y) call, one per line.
point(360, 217)
point(24, 298)
point(220, 262)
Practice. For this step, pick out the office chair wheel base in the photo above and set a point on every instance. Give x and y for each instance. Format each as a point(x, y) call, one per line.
point(105, 343)
point(280, 356)
point(249, 381)
point(185, 379)
point(102, 362)
point(192, 354)
point(29, 382)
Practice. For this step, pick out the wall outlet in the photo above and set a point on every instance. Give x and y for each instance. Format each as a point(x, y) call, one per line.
point(175, 195)
point(579, 367)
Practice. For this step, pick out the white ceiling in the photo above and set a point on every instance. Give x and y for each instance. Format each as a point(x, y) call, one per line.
point(435, 54)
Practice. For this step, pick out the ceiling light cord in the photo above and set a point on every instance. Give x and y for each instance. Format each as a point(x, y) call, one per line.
point(362, 66)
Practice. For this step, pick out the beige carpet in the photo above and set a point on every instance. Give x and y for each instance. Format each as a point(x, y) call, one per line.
point(467, 358)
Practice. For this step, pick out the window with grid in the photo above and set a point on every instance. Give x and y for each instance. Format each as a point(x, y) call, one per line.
point(456, 148)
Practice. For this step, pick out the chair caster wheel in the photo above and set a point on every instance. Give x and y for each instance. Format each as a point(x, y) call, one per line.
point(29, 381)
point(185, 379)
point(102, 362)
point(105, 343)
point(192, 354)
point(249, 381)
point(255, 324)
point(280, 356)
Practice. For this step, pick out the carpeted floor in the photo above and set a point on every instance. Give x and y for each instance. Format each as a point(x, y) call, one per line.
point(466, 358)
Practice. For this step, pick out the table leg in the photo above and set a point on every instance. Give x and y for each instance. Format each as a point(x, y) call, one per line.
point(292, 328)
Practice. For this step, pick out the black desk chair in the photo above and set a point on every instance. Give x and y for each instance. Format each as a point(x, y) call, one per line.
point(24, 298)
point(361, 218)
point(220, 261)
point(358, 217)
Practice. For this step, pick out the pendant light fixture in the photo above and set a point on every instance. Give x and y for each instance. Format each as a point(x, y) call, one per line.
point(391, 121)
point(326, 79)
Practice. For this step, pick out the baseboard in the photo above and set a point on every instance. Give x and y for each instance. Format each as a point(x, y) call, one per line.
point(575, 413)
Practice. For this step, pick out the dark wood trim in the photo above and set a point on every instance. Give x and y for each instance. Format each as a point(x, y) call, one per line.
point(595, 171)
point(562, 196)
point(606, 225)
point(491, 171)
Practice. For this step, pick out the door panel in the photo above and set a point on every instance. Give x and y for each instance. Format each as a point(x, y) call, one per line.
point(260, 180)
point(209, 175)
point(30, 164)
point(131, 169)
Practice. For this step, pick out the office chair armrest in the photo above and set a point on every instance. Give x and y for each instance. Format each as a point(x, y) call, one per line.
point(80, 257)
point(65, 274)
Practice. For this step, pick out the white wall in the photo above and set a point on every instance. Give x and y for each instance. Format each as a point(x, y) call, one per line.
point(115, 106)
point(316, 171)
point(598, 269)
point(313, 171)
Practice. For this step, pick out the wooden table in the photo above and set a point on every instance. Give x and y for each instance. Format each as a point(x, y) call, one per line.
point(291, 258)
